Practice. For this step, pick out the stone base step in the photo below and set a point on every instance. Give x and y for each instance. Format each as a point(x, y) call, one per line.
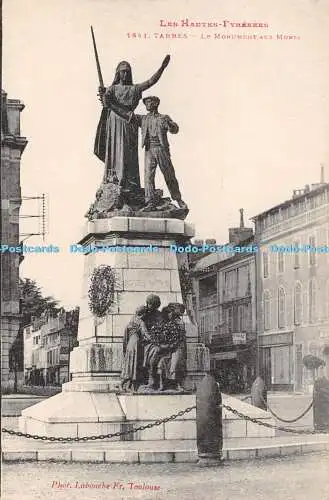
point(158, 453)
point(77, 414)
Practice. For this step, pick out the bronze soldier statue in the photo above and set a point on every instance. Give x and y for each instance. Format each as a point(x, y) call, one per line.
point(154, 127)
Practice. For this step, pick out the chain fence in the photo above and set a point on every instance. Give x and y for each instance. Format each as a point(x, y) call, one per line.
point(285, 420)
point(281, 419)
point(101, 436)
point(169, 419)
point(272, 426)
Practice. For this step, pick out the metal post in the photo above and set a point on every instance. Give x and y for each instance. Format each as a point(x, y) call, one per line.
point(259, 393)
point(321, 404)
point(209, 422)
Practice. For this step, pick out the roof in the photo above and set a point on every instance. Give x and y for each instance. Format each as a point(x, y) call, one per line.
point(307, 194)
point(219, 257)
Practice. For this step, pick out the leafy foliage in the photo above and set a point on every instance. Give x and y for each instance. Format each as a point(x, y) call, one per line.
point(312, 362)
point(326, 350)
point(32, 303)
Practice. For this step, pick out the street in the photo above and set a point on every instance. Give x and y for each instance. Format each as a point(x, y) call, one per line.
point(289, 478)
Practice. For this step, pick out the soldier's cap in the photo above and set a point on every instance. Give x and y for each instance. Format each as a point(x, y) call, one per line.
point(151, 98)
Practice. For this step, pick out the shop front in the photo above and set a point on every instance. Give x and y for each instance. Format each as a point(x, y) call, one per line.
point(276, 360)
point(234, 369)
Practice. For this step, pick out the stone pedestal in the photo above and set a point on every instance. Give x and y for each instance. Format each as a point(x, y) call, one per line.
point(96, 363)
point(78, 414)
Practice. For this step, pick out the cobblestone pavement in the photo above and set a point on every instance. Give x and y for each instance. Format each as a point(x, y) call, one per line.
point(290, 478)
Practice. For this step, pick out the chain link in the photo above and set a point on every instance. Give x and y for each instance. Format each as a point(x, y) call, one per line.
point(101, 436)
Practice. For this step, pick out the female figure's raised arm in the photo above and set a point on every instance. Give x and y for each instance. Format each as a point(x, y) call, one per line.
point(156, 77)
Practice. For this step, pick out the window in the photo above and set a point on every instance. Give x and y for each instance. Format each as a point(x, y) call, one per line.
point(312, 300)
point(231, 284)
point(267, 310)
point(229, 319)
point(208, 291)
point(50, 357)
point(292, 210)
point(298, 304)
point(296, 254)
point(311, 203)
point(243, 281)
point(265, 264)
point(312, 254)
point(313, 349)
point(202, 324)
point(302, 205)
point(280, 262)
point(243, 318)
point(281, 308)
point(239, 325)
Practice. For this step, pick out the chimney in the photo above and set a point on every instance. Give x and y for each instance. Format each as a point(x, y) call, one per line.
point(241, 218)
point(239, 234)
point(322, 181)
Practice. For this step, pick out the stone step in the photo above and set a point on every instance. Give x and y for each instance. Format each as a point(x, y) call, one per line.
point(77, 414)
point(159, 453)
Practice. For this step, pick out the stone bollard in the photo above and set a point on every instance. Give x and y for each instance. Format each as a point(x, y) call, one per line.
point(321, 404)
point(209, 422)
point(259, 393)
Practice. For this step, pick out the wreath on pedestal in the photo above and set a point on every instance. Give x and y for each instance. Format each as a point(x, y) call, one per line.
point(101, 290)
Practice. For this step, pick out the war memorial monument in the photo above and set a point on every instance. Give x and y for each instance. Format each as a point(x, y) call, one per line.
point(139, 359)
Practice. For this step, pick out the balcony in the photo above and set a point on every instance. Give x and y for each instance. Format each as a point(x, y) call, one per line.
point(208, 300)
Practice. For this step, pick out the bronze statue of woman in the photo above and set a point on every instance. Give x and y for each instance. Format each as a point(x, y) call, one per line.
point(116, 142)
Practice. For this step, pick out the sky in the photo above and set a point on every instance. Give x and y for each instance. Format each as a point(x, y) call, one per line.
point(253, 113)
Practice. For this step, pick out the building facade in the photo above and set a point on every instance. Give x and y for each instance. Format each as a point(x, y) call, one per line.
point(224, 285)
point(12, 147)
point(48, 342)
point(293, 287)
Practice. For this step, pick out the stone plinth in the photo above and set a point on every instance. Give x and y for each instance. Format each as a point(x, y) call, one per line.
point(92, 402)
point(84, 413)
point(96, 364)
point(78, 414)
